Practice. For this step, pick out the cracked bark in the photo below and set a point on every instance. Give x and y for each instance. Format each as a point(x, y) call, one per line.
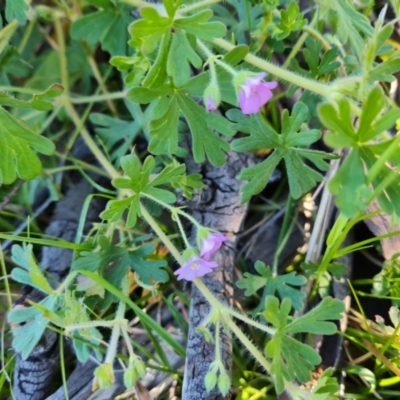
point(217, 206)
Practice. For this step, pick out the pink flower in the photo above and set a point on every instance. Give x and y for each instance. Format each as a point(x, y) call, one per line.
point(255, 93)
point(196, 267)
point(210, 105)
point(211, 244)
point(212, 97)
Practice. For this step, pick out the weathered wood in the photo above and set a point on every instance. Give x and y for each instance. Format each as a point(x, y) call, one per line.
point(381, 224)
point(218, 207)
point(32, 376)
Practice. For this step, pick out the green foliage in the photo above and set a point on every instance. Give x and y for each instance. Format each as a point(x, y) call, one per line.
point(140, 181)
point(290, 20)
point(317, 66)
point(290, 146)
point(170, 103)
point(16, 9)
point(108, 26)
point(273, 283)
point(387, 282)
point(18, 140)
point(30, 273)
point(239, 18)
point(326, 388)
point(198, 25)
point(350, 24)
point(181, 49)
point(350, 184)
point(389, 59)
point(28, 335)
point(236, 55)
point(117, 134)
point(39, 102)
point(290, 358)
point(149, 271)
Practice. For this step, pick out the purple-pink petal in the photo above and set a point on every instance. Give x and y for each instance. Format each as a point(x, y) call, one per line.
point(211, 244)
point(196, 267)
point(255, 93)
point(210, 105)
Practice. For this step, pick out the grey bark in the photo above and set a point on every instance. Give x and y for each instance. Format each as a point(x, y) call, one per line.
point(218, 207)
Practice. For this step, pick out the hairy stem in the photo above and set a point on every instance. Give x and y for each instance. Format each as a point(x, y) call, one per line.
point(309, 84)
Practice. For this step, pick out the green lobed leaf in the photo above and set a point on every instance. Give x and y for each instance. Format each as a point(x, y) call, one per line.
point(198, 26)
point(350, 182)
point(17, 142)
point(236, 55)
point(39, 101)
point(138, 178)
point(168, 105)
point(291, 359)
point(350, 23)
point(28, 335)
point(326, 388)
point(149, 30)
point(271, 284)
point(291, 20)
point(31, 273)
point(287, 146)
point(16, 10)
point(150, 271)
point(116, 134)
point(181, 55)
point(158, 71)
point(109, 26)
point(204, 142)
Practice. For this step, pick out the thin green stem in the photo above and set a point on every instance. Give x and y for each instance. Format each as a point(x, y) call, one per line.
point(213, 72)
point(113, 344)
point(217, 343)
point(101, 158)
point(249, 346)
point(20, 90)
point(6, 34)
point(84, 117)
point(181, 230)
point(212, 58)
point(62, 56)
point(63, 373)
point(102, 85)
point(196, 6)
point(5, 276)
point(129, 346)
point(99, 97)
point(249, 321)
point(299, 43)
point(95, 324)
point(139, 3)
point(309, 84)
point(173, 209)
point(106, 164)
point(27, 35)
point(163, 237)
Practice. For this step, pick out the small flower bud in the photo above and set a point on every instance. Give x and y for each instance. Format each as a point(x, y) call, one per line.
point(210, 380)
point(130, 377)
point(212, 97)
point(224, 382)
point(140, 368)
point(104, 374)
